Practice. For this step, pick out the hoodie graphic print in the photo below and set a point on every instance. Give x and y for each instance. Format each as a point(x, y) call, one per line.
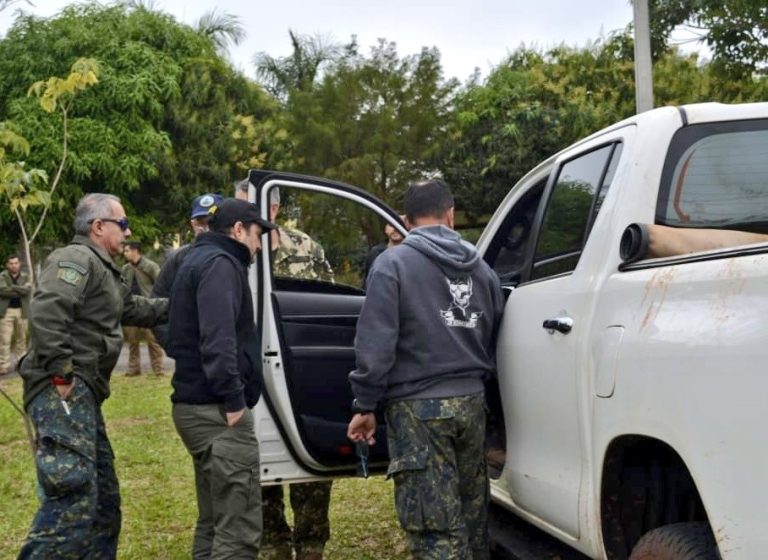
point(458, 313)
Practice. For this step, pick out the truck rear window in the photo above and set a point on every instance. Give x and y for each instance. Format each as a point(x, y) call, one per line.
point(716, 176)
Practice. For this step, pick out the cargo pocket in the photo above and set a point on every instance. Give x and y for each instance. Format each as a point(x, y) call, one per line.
point(235, 465)
point(417, 492)
point(62, 468)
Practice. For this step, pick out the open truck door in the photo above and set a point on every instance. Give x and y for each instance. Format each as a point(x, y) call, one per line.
point(307, 303)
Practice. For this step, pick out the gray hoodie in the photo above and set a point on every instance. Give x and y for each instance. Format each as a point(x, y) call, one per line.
point(428, 325)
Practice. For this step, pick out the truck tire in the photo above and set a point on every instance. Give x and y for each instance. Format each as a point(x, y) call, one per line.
point(679, 541)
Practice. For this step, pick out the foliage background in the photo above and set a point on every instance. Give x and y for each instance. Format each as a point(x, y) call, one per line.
point(171, 118)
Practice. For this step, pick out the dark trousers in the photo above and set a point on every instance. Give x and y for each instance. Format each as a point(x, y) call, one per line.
point(309, 501)
point(226, 462)
point(437, 460)
point(79, 514)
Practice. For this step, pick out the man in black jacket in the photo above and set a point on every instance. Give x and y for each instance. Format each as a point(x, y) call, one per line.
point(212, 337)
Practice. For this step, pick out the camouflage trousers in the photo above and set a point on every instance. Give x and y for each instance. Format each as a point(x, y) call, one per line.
point(226, 462)
point(79, 514)
point(309, 502)
point(437, 460)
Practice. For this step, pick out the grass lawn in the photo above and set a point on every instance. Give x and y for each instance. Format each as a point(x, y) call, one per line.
point(157, 488)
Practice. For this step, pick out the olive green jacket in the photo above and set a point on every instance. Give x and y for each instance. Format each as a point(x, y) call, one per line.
point(21, 289)
point(146, 272)
point(76, 312)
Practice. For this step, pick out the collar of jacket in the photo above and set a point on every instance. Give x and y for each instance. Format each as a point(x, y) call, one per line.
point(225, 242)
point(100, 252)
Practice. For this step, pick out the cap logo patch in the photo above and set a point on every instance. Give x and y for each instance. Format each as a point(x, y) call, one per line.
point(206, 201)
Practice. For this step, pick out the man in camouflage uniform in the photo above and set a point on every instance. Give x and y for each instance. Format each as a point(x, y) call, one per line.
point(75, 321)
point(296, 255)
point(15, 288)
point(299, 256)
point(424, 345)
point(140, 274)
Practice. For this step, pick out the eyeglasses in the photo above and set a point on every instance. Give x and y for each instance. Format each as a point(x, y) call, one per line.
point(122, 223)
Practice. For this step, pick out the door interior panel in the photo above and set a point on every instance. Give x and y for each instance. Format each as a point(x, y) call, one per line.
point(318, 333)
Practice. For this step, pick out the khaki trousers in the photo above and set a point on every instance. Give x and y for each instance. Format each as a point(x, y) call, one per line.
point(13, 328)
point(226, 461)
point(133, 336)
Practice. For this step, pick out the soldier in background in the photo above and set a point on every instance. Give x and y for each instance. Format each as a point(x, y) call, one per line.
point(296, 255)
point(198, 221)
point(140, 274)
point(15, 288)
point(75, 318)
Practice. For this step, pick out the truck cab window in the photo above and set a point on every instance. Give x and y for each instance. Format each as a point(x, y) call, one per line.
point(716, 176)
point(573, 204)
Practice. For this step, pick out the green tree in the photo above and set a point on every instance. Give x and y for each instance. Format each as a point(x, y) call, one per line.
point(298, 72)
point(735, 30)
point(221, 28)
point(373, 121)
point(160, 128)
point(536, 103)
point(21, 187)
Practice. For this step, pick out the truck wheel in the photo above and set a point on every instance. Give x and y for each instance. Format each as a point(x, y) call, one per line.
point(679, 541)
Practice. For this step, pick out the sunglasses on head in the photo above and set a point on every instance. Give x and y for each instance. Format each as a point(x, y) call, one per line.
point(122, 223)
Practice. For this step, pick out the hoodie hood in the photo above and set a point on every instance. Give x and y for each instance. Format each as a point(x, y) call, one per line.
point(444, 246)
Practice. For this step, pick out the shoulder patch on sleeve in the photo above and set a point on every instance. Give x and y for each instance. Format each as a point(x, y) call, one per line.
point(73, 265)
point(70, 272)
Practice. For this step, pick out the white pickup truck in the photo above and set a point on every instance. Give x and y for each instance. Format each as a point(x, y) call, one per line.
point(631, 364)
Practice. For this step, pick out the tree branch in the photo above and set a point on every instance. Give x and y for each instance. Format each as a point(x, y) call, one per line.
point(56, 178)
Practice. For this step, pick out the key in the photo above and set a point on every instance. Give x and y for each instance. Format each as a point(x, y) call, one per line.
point(361, 450)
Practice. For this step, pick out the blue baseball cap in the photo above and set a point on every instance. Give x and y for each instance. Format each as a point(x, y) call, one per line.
point(203, 203)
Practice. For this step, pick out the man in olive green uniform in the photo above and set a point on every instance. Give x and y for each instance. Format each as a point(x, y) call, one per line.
point(296, 255)
point(140, 274)
point(15, 288)
point(75, 321)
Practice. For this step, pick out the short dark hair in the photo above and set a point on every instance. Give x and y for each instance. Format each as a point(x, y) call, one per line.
point(135, 245)
point(425, 199)
point(11, 257)
point(242, 185)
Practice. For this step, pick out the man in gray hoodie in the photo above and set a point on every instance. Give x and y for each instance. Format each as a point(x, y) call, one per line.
point(425, 343)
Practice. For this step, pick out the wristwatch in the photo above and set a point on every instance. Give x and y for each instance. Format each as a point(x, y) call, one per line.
point(357, 409)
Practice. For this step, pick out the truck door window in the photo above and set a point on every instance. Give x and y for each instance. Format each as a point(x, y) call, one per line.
point(573, 204)
point(716, 176)
point(323, 242)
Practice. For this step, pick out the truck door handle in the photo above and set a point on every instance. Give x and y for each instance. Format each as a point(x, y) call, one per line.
point(559, 324)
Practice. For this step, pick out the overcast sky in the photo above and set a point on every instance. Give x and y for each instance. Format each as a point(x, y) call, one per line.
point(469, 33)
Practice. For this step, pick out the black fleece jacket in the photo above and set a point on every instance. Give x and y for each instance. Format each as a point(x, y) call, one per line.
point(212, 335)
